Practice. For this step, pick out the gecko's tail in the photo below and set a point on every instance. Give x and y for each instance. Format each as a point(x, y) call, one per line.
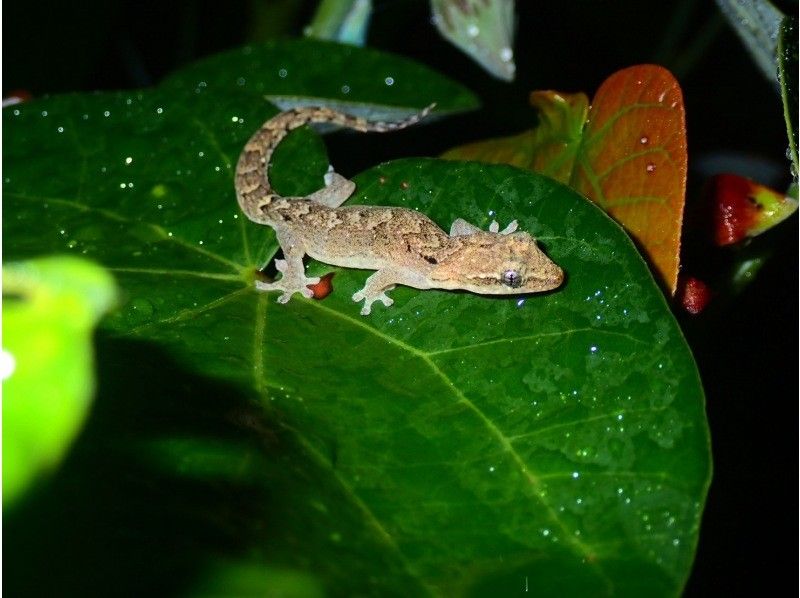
point(253, 189)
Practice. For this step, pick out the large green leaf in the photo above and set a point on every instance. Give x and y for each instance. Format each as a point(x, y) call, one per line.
point(450, 445)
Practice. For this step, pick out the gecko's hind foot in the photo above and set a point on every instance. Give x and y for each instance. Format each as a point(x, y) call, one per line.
point(289, 286)
point(368, 301)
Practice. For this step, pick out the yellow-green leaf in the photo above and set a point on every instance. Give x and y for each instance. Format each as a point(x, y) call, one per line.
point(50, 307)
point(550, 148)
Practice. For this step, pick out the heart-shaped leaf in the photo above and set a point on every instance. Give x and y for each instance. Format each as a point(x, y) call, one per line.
point(449, 445)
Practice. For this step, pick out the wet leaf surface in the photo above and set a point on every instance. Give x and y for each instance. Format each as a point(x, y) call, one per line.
point(449, 445)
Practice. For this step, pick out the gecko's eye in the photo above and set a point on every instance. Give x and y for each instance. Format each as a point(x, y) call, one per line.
point(512, 278)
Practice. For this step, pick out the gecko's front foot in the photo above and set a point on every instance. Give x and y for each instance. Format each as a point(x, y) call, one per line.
point(291, 282)
point(369, 300)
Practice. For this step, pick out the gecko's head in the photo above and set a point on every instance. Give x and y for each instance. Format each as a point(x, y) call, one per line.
point(498, 264)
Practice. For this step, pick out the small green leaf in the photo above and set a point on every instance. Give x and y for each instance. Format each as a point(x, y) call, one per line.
point(757, 23)
point(344, 21)
point(787, 77)
point(50, 306)
point(483, 29)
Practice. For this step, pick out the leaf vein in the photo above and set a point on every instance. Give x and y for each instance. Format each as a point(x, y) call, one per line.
point(188, 313)
point(512, 339)
point(628, 158)
point(584, 420)
point(259, 334)
point(619, 114)
point(111, 215)
point(156, 272)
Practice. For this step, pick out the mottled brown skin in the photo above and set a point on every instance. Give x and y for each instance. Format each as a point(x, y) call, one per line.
point(403, 246)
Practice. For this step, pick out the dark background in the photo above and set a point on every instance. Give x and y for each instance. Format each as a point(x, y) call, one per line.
point(746, 345)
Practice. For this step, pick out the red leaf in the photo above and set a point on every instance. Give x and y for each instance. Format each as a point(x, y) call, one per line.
point(633, 160)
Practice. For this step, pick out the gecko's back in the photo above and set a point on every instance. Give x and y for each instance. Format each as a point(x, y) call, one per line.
point(370, 237)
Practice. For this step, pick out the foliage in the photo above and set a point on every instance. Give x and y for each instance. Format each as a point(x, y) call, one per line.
point(449, 445)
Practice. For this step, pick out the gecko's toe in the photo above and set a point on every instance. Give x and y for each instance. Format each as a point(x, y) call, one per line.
point(512, 227)
point(358, 296)
point(284, 298)
point(265, 286)
point(386, 300)
point(494, 226)
point(281, 265)
point(365, 311)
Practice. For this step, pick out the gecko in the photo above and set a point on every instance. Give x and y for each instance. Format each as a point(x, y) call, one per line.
point(402, 246)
